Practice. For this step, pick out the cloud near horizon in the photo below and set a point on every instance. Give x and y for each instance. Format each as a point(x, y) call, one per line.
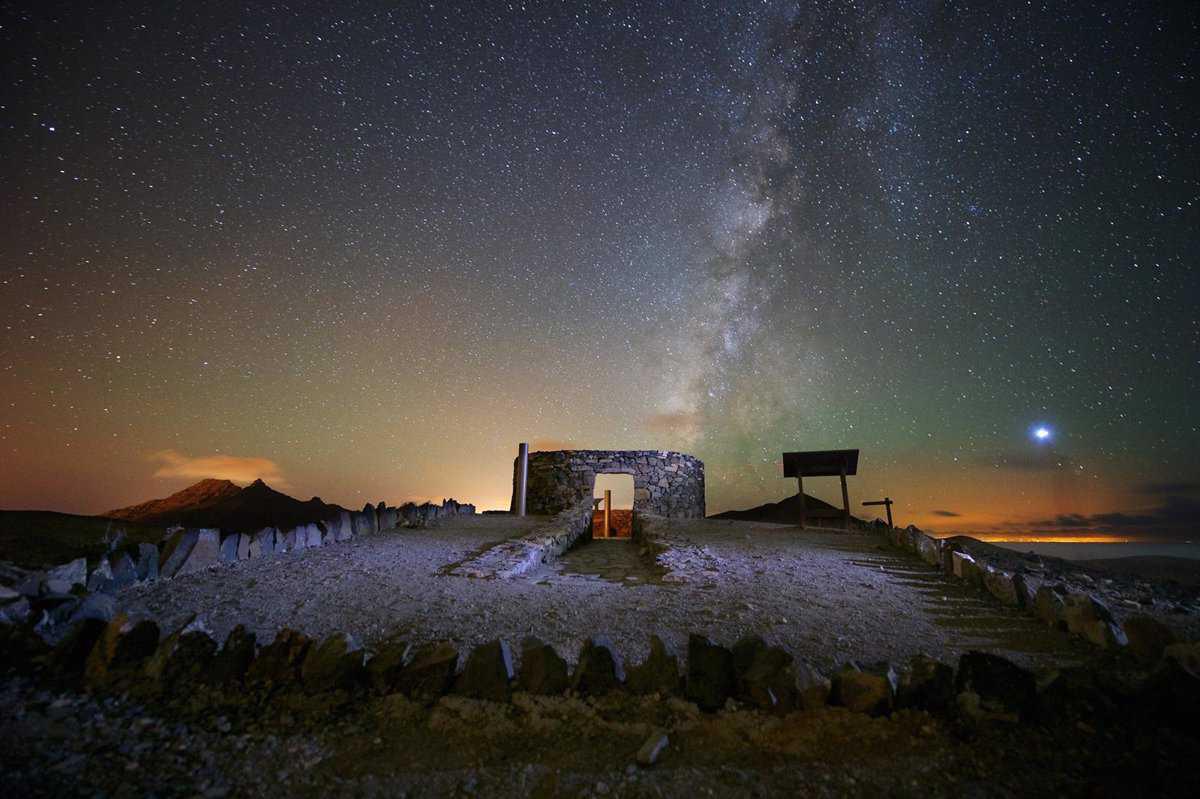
point(222, 467)
point(947, 514)
point(1174, 517)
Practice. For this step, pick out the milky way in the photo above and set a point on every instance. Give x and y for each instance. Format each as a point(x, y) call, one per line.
point(367, 248)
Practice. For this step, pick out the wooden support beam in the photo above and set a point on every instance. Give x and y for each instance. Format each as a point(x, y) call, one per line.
point(803, 511)
point(845, 500)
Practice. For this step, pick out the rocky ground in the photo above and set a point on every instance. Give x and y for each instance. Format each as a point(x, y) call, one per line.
point(234, 744)
point(825, 597)
point(1110, 726)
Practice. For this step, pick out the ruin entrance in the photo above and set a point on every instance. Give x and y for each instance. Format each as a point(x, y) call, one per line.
point(612, 499)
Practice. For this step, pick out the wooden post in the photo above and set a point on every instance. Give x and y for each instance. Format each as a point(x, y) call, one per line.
point(607, 513)
point(803, 511)
point(887, 503)
point(845, 499)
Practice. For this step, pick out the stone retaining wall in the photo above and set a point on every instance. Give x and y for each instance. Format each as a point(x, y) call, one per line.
point(1057, 604)
point(50, 598)
point(545, 544)
point(665, 483)
point(121, 656)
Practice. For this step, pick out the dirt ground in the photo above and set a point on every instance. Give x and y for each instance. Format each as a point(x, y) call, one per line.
point(826, 597)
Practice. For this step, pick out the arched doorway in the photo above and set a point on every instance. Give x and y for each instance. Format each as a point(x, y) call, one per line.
point(619, 487)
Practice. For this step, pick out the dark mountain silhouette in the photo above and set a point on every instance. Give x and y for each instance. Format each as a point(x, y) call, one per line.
point(257, 506)
point(220, 503)
point(786, 511)
point(156, 511)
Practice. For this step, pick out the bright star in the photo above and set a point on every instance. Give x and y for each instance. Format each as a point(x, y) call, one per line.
point(1041, 433)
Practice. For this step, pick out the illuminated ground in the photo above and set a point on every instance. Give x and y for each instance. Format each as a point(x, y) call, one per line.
point(826, 597)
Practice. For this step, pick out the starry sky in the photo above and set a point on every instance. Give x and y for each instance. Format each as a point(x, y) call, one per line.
point(364, 249)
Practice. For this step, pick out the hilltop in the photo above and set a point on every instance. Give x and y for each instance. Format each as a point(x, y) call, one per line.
point(158, 511)
point(786, 511)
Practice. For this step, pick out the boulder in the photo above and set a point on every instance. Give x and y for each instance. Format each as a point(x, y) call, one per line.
point(543, 671)
point(278, 664)
point(175, 551)
point(1048, 606)
point(599, 669)
point(1147, 637)
point(1000, 585)
point(61, 579)
point(57, 608)
point(243, 548)
point(230, 665)
point(962, 566)
point(67, 659)
point(926, 685)
point(31, 585)
point(710, 675)
point(147, 563)
point(487, 673)
point(262, 543)
point(343, 528)
point(651, 750)
point(337, 664)
point(812, 687)
point(765, 678)
point(101, 607)
point(385, 666)
point(315, 535)
point(229, 548)
point(124, 571)
point(15, 610)
point(1001, 686)
point(182, 657)
point(929, 549)
point(120, 651)
point(295, 539)
point(1087, 616)
point(101, 578)
point(205, 552)
point(368, 522)
point(657, 674)
point(871, 690)
point(430, 673)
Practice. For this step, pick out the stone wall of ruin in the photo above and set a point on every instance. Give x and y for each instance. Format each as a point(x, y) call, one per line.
point(668, 484)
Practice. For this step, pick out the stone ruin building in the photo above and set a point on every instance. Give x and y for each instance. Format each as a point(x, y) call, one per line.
point(665, 483)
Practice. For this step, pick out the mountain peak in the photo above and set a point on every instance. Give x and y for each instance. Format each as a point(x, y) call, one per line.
point(198, 495)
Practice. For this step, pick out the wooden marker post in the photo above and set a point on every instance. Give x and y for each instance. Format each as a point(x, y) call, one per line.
point(607, 513)
point(886, 502)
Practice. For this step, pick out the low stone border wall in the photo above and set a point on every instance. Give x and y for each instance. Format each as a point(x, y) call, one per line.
point(1071, 611)
point(545, 544)
point(70, 593)
point(125, 657)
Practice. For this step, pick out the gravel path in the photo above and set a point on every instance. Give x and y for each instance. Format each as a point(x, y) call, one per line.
point(827, 597)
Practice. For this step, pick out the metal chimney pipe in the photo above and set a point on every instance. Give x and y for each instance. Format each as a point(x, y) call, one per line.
point(522, 477)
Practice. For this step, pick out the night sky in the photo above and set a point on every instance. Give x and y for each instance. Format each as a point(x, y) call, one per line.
point(364, 249)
